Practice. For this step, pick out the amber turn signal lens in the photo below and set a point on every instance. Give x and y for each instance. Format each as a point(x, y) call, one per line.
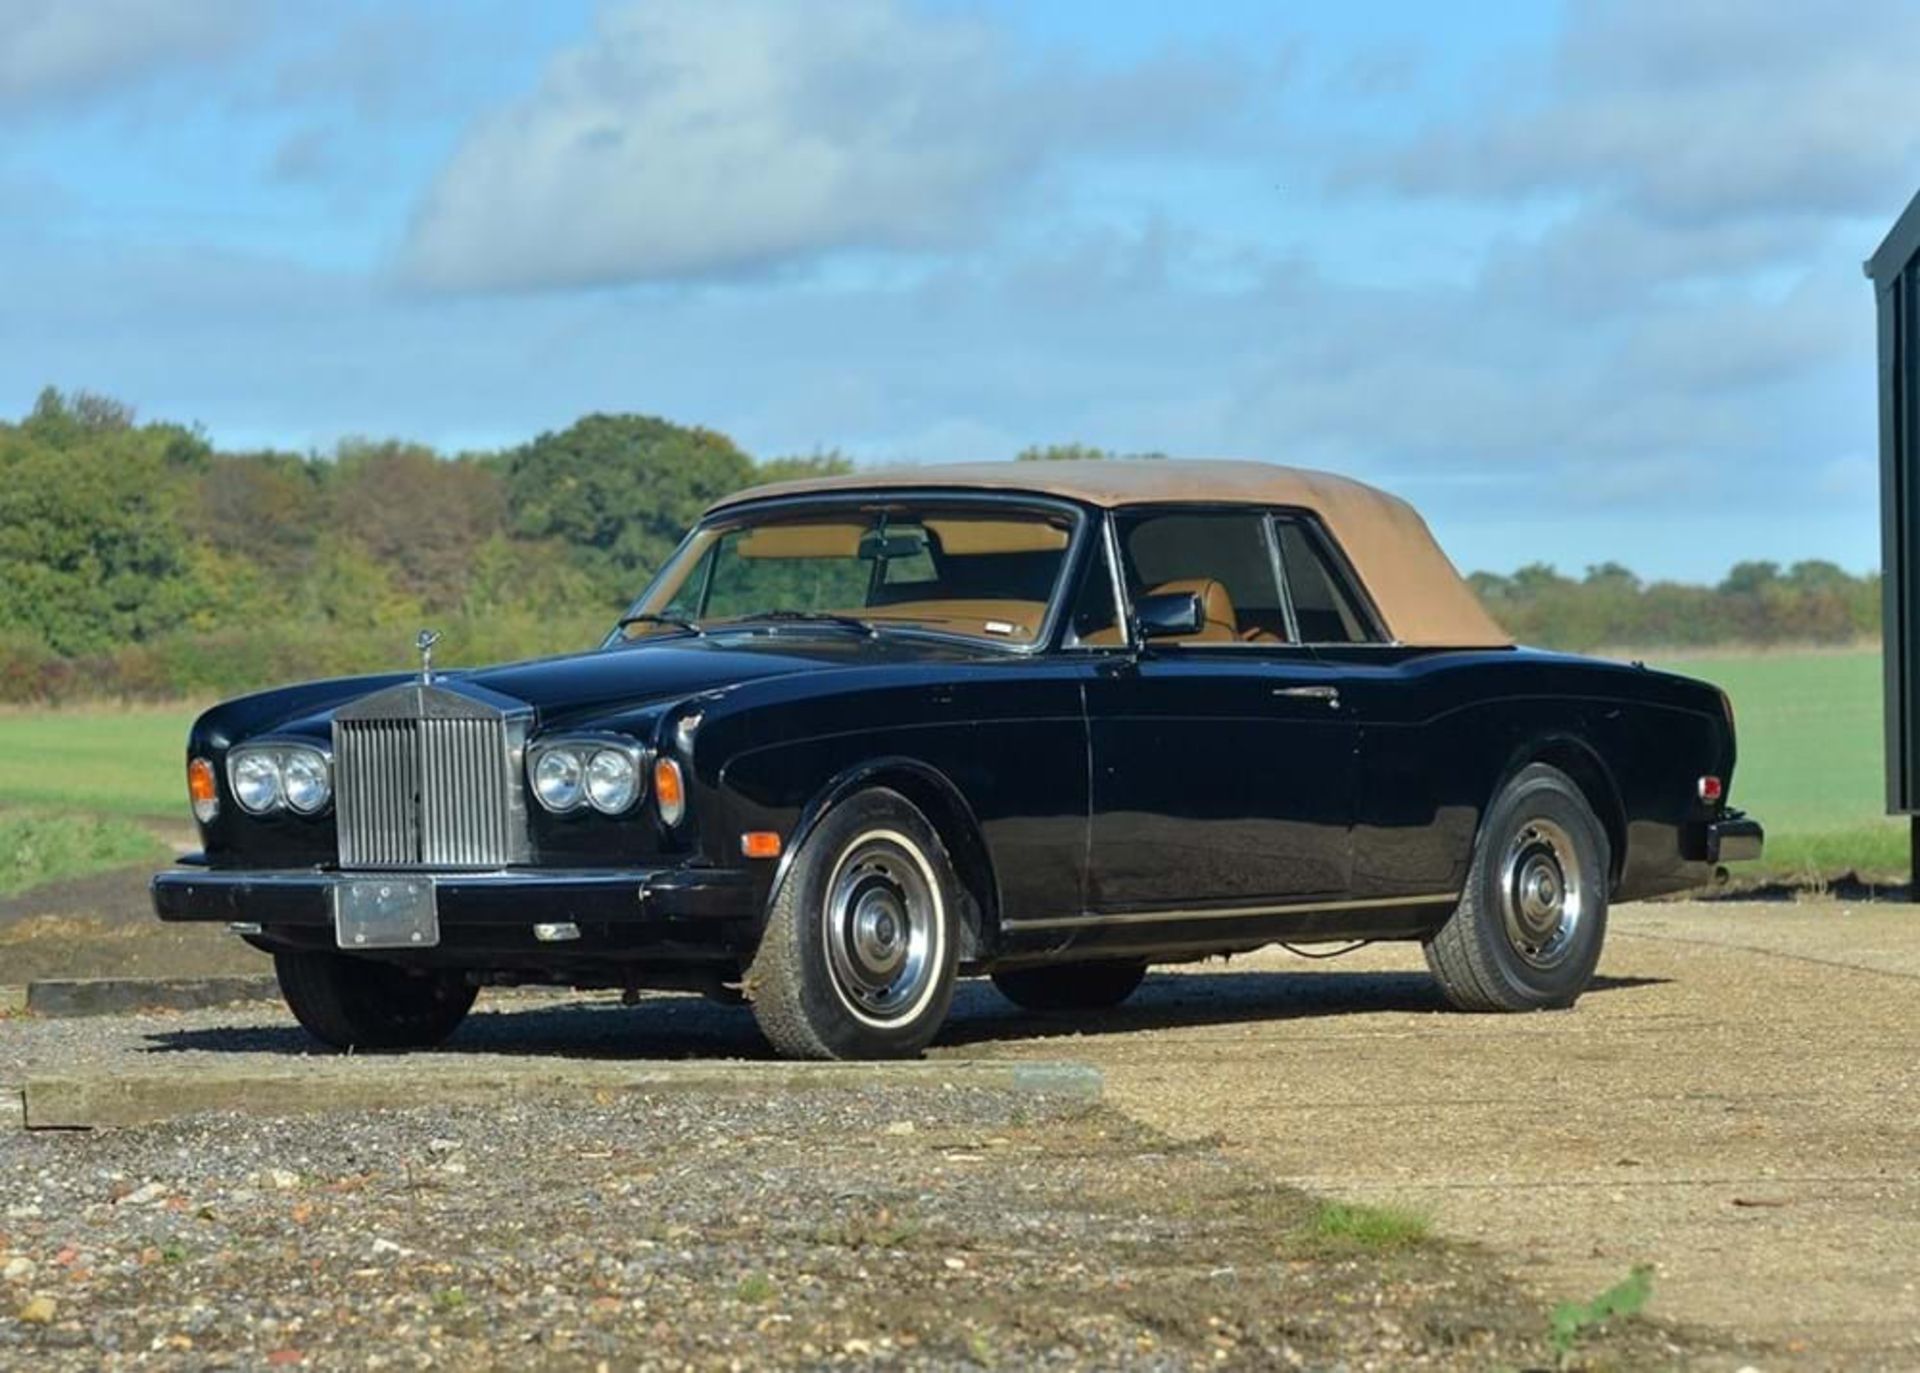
point(760, 844)
point(668, 791)
point(201, 789)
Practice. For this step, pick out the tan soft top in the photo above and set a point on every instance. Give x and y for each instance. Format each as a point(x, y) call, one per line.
point(1417, 590)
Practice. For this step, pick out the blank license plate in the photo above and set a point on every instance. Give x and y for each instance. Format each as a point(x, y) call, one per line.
point(385, 913)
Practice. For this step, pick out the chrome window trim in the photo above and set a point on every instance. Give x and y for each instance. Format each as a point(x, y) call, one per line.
point(1270, 532)
point(1341, 568)
point(1092, 919)
point(1102, 545)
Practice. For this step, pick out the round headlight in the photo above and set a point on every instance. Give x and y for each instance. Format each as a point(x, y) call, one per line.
point(613, 780)
point(304, 780)
point(559, 779)
point(256, 782)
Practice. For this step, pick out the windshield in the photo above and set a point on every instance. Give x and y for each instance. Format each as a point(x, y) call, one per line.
point(987, 572)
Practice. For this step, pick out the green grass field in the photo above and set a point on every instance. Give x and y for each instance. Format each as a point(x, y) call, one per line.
point(1810, 759)
point(108, 760)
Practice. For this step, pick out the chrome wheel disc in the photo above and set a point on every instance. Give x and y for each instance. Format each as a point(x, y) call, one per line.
point(1541, 898)
point(883, 928)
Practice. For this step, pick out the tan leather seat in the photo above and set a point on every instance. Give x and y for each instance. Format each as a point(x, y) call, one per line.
point(1218, 623)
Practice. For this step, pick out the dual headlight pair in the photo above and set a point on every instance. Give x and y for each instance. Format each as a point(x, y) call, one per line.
point(567, 774)
point(607, 775)
point(268, 777)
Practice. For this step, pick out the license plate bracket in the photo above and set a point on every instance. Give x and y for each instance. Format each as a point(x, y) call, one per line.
point(385, 913)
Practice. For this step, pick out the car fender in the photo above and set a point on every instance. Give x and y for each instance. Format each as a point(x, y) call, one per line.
point(972, 861)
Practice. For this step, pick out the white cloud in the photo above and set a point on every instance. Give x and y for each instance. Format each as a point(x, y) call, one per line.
point(1506, 422)
point(697, 137)
point(57, 49)
point(1703, 112)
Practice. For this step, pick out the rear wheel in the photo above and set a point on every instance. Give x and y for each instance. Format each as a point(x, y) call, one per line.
point(1531, 921)
point(1071, 986)
point(857, 960)
point(357, 1003)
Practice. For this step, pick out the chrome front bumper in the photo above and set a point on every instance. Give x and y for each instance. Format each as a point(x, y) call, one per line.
point(510, 897)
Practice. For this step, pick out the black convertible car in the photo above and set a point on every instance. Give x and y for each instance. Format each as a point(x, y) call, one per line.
point(1048, 722)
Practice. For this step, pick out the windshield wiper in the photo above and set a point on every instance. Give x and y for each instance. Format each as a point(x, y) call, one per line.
point(818, 617)
point(675, 621)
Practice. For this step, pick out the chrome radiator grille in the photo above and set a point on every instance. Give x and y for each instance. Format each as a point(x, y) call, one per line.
point(433, 791)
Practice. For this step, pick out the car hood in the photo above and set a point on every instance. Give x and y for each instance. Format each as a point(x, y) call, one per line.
point(579, 689)
point(565, 689)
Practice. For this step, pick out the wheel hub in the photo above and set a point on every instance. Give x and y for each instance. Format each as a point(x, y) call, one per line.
point(879, 931)
point(1541, 897)
point(880, 926)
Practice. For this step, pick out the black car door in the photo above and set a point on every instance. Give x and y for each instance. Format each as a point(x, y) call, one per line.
point(1222, 762)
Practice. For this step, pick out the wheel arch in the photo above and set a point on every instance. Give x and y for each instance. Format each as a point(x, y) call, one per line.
point(946, 809)
point(1587, 771)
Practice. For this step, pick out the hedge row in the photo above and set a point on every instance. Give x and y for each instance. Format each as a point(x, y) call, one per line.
point(232, 662)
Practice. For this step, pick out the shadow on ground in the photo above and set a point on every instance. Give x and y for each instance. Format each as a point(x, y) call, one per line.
point(681, 1027)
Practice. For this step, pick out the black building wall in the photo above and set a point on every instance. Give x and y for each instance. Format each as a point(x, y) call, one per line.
point(1895, 271)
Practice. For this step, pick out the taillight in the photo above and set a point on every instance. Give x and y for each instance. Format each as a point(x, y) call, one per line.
point(1711, 789)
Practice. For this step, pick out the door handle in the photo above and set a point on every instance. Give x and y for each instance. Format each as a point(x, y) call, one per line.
point(1329, 694)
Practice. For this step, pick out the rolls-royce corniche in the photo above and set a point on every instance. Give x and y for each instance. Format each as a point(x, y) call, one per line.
point(1048, 723)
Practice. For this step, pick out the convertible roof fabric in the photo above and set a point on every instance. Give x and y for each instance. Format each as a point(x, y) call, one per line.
point(1417, 590)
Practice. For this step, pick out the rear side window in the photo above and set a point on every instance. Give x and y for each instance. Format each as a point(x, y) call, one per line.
point(1323, 606)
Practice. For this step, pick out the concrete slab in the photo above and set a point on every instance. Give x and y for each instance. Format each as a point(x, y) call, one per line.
point(1872, 936)
point(87, 1101)
point(83, 996)
point(13, 1108)
point(1737, 1101)
point(13, 1000)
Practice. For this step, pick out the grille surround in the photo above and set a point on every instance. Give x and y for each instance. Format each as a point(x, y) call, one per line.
point(427, 776)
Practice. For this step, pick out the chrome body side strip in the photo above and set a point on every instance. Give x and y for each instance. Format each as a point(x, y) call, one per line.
point(1093, 920)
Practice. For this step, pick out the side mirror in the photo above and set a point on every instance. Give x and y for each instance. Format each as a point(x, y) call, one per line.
point(1169, 615)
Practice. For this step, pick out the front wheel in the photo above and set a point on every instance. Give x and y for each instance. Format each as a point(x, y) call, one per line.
point(857, 960)
point(1527, 933)
point(357, 1003)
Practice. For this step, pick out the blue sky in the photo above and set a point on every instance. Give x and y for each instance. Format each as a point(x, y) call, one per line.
point(1582, 281)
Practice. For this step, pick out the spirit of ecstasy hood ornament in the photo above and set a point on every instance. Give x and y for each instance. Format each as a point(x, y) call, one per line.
point(425, 641)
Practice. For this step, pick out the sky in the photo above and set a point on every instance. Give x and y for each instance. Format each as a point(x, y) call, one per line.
point(1581, 281)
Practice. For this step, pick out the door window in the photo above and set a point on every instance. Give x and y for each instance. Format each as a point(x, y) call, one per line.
point(1223, 557)
point(1325, 610)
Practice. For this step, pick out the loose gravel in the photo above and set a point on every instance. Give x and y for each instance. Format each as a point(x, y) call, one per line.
point(883, 1228)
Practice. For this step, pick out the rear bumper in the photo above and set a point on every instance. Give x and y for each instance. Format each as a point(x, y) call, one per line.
point(625, 898)
point(1734, 838)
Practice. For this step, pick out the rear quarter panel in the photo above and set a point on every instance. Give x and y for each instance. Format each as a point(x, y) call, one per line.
point(1440, 733)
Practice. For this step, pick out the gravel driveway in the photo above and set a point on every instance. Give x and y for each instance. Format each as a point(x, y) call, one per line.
point(882, 1228)
point(1734, 1103)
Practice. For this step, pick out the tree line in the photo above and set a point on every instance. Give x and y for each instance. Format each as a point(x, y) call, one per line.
point(139, 560)
point(1756, 603)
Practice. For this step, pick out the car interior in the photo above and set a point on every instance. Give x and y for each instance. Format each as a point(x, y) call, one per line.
point(1223, 558)
point(992, 574)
